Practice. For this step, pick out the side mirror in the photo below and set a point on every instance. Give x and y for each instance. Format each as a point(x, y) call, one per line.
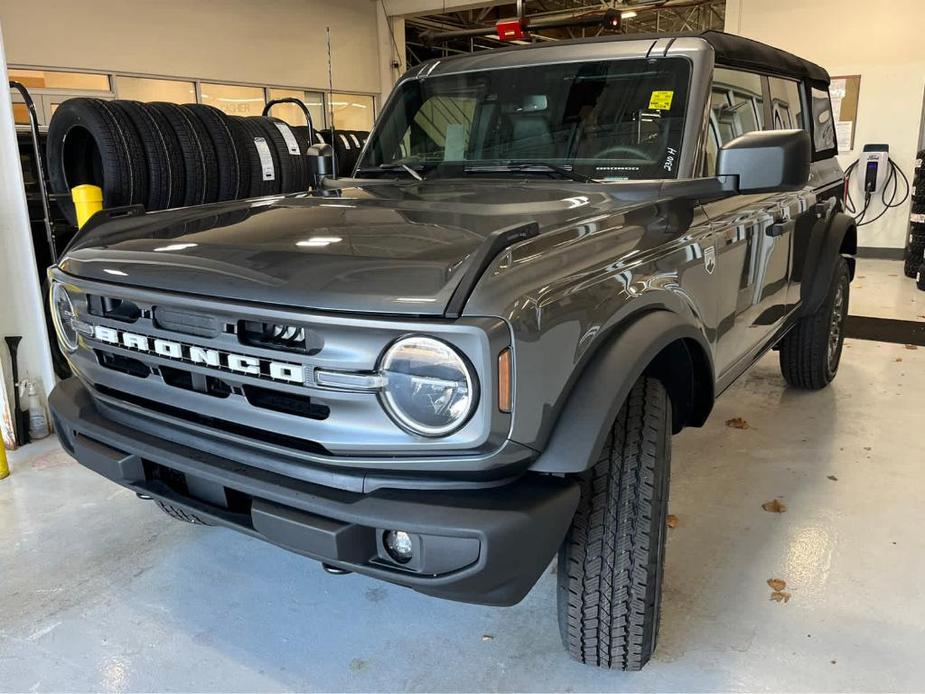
point(320, 164)
point(767, 161)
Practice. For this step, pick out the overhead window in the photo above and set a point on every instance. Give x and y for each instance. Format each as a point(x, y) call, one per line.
point(294, 115)
point(49, 79)
point(352, 111)
point(150, 89)
point(233, 99)
point(20, 114)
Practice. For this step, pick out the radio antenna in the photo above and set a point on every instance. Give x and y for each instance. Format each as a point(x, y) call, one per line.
point(330, 81)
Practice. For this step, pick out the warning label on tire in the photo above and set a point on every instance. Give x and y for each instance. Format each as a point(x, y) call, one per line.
point(291, 143)
point(266, 159)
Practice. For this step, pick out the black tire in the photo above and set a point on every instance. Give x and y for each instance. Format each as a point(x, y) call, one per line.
point(288, 165)
point(89, 141)
point(612, 560)
point(299, 162)
point(231, 185)
point(912, 264)
point(199, 162)
point(811, 352)
point(166, 176)
point(179, 514)
point(251, 133)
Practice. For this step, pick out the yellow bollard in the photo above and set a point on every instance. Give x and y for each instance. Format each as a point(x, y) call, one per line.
point(4, 466)
point(88, 200)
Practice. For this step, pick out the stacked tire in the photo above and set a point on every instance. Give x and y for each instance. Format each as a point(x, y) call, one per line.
point(915, 243)
point(347, 145)
point(163, 155)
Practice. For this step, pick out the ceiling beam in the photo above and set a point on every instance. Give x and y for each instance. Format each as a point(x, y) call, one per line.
point(416, 8)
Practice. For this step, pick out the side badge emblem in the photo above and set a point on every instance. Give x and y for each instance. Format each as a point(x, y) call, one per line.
point(709, 259)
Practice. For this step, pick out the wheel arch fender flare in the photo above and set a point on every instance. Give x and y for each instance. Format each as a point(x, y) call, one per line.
point(658, 342)
point(832, 238)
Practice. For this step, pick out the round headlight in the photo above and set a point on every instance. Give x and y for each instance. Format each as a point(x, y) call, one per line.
point(430, 389)
point(64, 316)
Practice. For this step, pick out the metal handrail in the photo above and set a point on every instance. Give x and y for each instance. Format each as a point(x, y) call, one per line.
point(39, 165)
point(300, 104)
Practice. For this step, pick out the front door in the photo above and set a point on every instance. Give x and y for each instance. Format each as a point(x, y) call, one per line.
point(752, 238)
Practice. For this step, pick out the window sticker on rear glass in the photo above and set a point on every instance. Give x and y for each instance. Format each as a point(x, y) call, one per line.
point(661, 101)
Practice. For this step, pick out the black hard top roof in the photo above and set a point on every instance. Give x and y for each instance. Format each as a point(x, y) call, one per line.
point(731, 50)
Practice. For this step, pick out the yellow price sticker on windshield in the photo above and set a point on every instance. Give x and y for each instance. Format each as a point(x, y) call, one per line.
point(661, 101)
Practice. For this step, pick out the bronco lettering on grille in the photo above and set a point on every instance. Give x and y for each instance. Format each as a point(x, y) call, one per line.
point(194, 354)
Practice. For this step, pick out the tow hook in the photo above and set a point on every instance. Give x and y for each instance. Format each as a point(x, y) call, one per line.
point(334, 570)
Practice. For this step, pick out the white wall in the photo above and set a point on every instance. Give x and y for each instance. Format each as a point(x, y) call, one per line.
point(21, 311)
point(265, 42)
point(881, 41)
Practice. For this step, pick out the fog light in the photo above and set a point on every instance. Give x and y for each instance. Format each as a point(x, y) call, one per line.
point(399, 545)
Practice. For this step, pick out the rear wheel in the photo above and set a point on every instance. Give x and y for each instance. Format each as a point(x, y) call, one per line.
point(811, 352)
point(611, 562)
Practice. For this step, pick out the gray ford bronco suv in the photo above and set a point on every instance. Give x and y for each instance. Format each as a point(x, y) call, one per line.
point(472, 356)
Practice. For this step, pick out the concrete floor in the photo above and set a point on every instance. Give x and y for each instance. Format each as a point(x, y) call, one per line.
point(102, 592)
point(881, 290)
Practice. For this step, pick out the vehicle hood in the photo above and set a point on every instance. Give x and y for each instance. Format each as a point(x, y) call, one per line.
point(384, 248)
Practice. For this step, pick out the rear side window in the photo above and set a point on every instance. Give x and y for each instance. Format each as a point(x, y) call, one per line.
point(786, 107)
point(823, 121)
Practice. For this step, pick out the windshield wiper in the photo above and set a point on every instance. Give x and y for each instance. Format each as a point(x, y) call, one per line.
point(528, 167)
point(411, 171)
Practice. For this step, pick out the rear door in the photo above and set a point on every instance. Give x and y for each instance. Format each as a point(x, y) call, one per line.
point(751, 233)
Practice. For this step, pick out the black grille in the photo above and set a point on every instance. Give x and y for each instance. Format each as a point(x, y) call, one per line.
point(187, 322)
point(279, 336)
point(121, 310)
point(207, 385)
point(287, 403)
point(125, 365)
point(216, 423)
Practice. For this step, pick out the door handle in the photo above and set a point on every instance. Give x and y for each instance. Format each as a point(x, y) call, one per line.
point(780, 227)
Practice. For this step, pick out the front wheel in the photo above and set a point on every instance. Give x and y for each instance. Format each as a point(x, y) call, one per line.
point(611, 562)
point(811, 351)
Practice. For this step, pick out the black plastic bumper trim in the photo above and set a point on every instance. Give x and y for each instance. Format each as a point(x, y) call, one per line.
point(502, 537)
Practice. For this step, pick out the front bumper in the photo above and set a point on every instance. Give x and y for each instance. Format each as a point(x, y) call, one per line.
point(485, 546)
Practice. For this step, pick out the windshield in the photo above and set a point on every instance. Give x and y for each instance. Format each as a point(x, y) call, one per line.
point(606, 120)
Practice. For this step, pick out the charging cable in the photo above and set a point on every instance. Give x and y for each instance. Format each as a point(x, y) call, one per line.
point(888, 204)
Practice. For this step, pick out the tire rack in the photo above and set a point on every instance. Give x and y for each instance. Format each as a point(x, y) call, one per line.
point(53, 232)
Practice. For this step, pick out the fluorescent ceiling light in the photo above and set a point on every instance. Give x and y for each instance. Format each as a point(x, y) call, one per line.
point(629, 14)
point(175, 247)
point(319, 241)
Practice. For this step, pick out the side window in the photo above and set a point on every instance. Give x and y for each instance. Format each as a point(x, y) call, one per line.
point(736, 108)
point(823, 121)
point(786, 108)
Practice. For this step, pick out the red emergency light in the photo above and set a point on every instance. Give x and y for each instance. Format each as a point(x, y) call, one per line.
point(510, 29)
